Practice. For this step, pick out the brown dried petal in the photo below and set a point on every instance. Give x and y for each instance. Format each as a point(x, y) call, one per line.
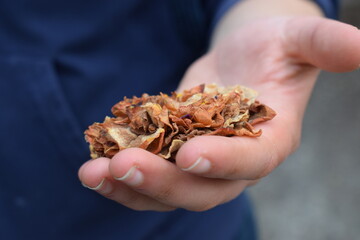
point(202, 116)
point(162, 123)
point(167, 153)
point(260, 113)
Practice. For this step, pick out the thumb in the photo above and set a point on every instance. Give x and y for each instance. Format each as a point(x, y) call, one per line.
point(327, 44)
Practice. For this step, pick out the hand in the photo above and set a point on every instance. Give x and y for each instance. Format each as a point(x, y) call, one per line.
point(280, 58)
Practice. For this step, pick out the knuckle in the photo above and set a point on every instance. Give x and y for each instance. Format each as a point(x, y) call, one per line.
point(165, 193)
point(233, 164)
point(108, 192)
point(233, 172)
point(266, 171)
point(131, 201)
point(140, 207)
point(201, 207)
point(277, 154)
point(126, 198)
point(148, 206)
point(208, 204)
point(110, 195)
point(273, 159)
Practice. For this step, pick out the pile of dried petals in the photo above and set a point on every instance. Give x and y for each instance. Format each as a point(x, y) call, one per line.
point(162, 123)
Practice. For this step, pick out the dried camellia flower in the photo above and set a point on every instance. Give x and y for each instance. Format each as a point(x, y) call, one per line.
point(162, 123)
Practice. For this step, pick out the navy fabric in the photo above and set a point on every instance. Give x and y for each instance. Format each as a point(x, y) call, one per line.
point(329, 7)
point(63, 64)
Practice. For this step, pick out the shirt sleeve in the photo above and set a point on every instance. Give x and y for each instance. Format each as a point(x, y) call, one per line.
point(216, 9)
point(329, 7)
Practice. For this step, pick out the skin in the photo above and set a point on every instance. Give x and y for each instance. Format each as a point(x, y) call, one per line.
point(278, 51)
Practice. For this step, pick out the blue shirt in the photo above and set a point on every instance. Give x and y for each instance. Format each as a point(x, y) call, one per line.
point(63, 64)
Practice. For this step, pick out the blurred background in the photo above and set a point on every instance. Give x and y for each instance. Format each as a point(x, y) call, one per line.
point(315, 194)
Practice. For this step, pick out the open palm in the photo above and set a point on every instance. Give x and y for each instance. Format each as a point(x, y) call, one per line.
point(278, 57)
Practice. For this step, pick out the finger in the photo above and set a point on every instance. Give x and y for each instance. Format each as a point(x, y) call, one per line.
point(327, 44)
point(239, 157)
point(164, 182)
point(95, 175)
point(92, 172)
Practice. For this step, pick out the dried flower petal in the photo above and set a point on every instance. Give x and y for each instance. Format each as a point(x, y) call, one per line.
point(161, 124)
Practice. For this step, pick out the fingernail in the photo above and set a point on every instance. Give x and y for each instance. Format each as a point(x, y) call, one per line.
point(133, 177)
point(97, 187)
point(104, 187)
point(199, 166)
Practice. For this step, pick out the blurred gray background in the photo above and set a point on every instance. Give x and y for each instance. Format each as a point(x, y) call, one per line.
point(315, 194)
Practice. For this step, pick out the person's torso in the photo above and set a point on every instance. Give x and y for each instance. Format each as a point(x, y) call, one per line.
point(63, 64)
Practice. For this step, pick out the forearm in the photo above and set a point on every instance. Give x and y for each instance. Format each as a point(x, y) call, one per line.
point(247, 11)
